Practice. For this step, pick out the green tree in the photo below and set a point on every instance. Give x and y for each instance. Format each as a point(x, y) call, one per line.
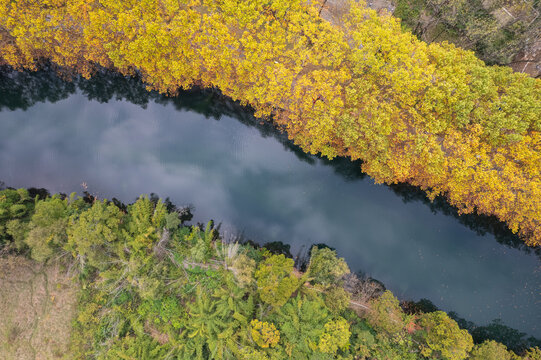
point(248, 353)
point(201, 243)
point(214, 324)
point(335, 336)
point(490, 350)
point(135, 348)
point(301, 323)
point(163, 309)
point(264, 334)
point(275, 280)
point(337, 299)
point(532, 354)
point(442, 338)
point(48, 228)
point(18, 230)
point(145, 222)
point(244, 268)
point(386, 314)
point(94, 235)
point(325, 267)
point(16, 208)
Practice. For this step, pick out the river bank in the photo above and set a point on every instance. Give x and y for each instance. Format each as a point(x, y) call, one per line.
point(120, 140)
point(139, 262)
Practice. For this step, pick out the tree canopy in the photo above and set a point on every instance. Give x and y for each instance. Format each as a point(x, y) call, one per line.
point(145, 294)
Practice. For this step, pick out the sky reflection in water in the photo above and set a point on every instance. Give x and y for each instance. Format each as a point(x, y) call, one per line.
point(256, 185)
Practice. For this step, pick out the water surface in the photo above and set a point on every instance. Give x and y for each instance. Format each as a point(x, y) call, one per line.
point(120, 141)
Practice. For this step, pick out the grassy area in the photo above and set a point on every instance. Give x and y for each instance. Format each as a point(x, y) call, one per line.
point(37, 303)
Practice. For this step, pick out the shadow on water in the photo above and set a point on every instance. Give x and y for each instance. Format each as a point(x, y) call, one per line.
point(479, 223)
point(21, 90)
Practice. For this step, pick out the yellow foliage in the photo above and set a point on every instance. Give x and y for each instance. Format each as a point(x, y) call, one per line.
point(353, 85)
point(264, 334)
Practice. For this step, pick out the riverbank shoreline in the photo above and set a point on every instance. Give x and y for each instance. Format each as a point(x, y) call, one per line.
point(458, 143)
point(363, 292)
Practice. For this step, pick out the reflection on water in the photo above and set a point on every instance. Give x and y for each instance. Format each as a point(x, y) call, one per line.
point(121, 140)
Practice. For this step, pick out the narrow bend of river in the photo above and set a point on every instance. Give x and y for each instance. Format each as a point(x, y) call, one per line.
point(200, 151)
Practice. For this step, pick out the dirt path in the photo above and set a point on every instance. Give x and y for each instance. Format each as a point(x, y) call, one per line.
point(37, 304)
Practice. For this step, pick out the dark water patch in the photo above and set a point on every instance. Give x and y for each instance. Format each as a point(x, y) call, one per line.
point(481, 224)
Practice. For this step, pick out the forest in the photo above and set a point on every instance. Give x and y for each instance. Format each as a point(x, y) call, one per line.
point(499, 31)
point(152, 287)
point(341, 79)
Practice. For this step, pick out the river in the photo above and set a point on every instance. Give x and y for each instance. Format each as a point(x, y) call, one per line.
point(112, 137)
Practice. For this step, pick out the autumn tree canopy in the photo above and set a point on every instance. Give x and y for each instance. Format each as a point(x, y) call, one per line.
point(340, 79)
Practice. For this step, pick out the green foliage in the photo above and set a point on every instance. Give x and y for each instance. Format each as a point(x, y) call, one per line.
point(15, 205)
point(275, 280)
point(386, 314)
point(207, 279)
point(201, 242)
point(110, 326)
point(395, 349)
point(18, 230)
point(144, 296)
point(264, 334)
point(135, 348)
point(248, 353)
point(166, 309)
point(490, 350)
point(496, 330)
point(532, 354)
point(301, 323)
point(94, 234)
point(144, 225)
point(335, 336)
point(379, 344)
point(172, 221)
point(215, 324)
point(359, 329)
point(337, 299)
point(47, 228)
point(244, 268)
point(325, 267)
point(442, 338)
